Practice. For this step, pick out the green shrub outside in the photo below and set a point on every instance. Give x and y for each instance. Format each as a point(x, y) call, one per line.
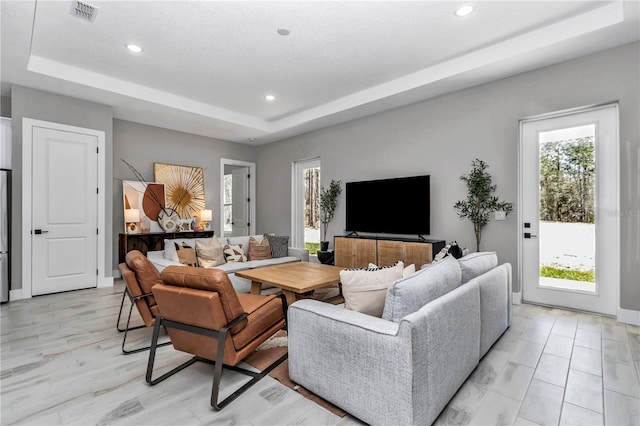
point(568, 274)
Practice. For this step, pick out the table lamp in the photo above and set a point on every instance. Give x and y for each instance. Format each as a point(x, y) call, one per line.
point(206, 216)
point(132, 218)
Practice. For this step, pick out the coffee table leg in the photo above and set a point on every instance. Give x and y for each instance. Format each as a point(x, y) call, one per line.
point(290, 296)
point(256, 287)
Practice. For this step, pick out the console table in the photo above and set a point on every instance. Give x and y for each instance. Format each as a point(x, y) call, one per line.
point(152, 241)
point(358, 252)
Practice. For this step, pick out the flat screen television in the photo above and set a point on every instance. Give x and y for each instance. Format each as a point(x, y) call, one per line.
point(389, 206)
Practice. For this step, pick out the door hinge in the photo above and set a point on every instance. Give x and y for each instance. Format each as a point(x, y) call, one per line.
point(97, 190)
point(97, 231)
point(97, 150)
point(96, 272)
point(248, 223)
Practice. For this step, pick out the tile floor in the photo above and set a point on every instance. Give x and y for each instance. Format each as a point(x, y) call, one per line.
point(60, 363)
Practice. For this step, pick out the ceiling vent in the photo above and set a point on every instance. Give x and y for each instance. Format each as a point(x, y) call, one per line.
point(83, 10)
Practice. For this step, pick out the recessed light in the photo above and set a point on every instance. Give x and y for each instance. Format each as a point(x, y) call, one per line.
point(464, 10)
point(252, 139)
point(284, 32)
point(270, 98)
point(134, 48)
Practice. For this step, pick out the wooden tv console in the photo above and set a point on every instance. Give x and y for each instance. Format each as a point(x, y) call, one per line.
point(358, 252)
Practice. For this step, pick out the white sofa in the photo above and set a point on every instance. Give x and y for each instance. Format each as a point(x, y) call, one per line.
point(295, 254)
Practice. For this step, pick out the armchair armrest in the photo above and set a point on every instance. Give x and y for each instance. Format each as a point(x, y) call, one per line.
point(301, 253)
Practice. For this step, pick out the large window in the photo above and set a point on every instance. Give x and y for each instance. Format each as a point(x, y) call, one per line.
point(305, 216)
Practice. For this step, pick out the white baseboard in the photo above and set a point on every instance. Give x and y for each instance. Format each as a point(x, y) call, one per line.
point(516, 298)
point(628, 316)
point(105, 282)
point(16, 295)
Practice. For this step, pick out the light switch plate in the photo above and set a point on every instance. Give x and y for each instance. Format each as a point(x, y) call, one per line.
point(500, 215)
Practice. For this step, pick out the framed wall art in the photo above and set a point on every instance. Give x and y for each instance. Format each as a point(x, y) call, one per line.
point(184, 188)
point(148, 199)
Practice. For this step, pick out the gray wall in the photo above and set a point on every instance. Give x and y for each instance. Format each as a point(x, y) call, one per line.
point(5, 106)
point(36, 104)
point(443, 135)
point(143, 145)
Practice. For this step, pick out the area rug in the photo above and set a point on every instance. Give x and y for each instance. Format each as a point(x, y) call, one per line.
point(273, 349)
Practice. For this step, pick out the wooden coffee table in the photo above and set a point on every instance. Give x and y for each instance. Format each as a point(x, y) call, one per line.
point(297, 280)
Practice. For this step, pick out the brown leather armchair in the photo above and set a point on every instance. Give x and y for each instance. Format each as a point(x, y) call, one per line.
point(139, 276)
point(205, 317)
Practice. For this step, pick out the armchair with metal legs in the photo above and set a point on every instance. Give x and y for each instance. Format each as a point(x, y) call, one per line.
point(139, 276)
point(205, 317)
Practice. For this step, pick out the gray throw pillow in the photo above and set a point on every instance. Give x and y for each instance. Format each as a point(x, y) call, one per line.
point(475, 264)
point(279, 245)
point(408, 295)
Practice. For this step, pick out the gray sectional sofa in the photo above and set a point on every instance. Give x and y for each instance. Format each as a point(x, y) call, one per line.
point(242, 285)
point(403, 368)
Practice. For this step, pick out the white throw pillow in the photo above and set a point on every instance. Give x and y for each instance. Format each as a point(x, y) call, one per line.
point(209, 252)
point(364, 290)
point(406, 272)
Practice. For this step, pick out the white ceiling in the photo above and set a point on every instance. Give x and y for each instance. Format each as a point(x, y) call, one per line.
point(207, 65)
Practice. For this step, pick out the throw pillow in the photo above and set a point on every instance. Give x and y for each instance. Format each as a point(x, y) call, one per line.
point(364, 290)
point(259, 250)
point(476, 264)
point(409, 294)
point(170, 248)
point(279, 245)
point(209, 252)
point(186, 254)
point(407, 271)
point(234, 253)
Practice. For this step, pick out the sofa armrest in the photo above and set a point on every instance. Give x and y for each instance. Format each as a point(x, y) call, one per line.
point(360, 363)
point(301, 253)
point(158, 260)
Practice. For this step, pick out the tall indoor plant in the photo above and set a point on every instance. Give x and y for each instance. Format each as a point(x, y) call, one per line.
point(328, 203)
point(480, 202)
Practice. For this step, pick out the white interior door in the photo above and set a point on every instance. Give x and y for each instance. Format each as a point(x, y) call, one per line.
point(64, 211)
point(240, 210)
point(569, 249)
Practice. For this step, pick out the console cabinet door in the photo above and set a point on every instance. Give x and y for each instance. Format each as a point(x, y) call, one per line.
point(354, 252)
point(389, 252)
point(343, 252)
point(417, 253)
point(364, 253)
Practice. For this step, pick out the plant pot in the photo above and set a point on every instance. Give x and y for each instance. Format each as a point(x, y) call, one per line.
point(325, 257)
point(324, 245)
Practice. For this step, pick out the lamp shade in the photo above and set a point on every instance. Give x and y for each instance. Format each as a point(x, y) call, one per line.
point(131, 215)
point(206, 215)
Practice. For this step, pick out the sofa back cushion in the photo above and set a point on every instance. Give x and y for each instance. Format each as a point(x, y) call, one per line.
point(364, 290)
point(407, 295)
point(476, 264)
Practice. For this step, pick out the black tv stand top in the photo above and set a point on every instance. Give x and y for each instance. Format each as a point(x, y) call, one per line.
point(418, 239)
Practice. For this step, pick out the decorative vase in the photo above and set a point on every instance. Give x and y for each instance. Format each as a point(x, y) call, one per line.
point(324, 245)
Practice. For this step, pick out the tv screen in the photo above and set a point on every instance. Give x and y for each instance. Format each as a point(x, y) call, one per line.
point(389, 206)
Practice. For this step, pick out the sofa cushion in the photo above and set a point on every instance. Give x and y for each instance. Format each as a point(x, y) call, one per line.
point(242, 240)
point(186, 254)
point(170, 249)
point(408, 295)
point(234, 253)
point(476, 264)
point(209, 252)
point(364, 290)
point(279, 245)
point(259, 249)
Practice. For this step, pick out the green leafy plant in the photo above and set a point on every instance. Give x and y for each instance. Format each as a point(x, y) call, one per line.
point(557, 271)
point(328, 203)
point(480, 202)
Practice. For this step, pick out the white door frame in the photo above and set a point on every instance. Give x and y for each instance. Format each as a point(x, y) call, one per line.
point(252, 192)
point(614, 251)
point(297, 198)
point(27, 149)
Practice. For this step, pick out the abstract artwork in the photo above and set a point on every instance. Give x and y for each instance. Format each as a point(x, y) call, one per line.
point(148, 198)
point(184, 188)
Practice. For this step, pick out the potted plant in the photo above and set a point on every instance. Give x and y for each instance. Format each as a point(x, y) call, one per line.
point(480, 203)
point(328, 203)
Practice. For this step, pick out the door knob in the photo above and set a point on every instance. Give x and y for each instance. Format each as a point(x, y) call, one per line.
point(39, 231)
point(530, 235)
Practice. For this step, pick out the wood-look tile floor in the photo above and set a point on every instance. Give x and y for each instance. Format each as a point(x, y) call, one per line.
point(60, 363)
